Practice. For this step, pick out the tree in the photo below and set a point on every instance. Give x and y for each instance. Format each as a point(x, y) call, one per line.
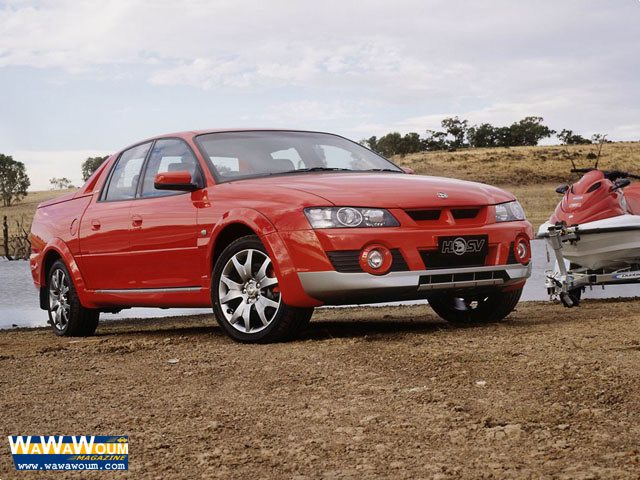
point(14, 180)
point(411, 143)
point(435, 141)
point(90, 165)
point(483, 135)
point(371, 143)
point(528, 132)
point(389, 144)
point(567, 137)
point(457, 129)
point(61, 183)
point(599, 138)
point(396, 144)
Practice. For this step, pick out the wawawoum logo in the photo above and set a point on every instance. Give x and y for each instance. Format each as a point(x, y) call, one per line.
point(62, 452)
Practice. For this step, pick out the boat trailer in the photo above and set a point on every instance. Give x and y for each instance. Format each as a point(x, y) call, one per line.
point(567, 284)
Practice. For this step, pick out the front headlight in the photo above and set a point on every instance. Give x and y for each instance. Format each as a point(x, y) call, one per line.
point(509, 212)
point(349, 217)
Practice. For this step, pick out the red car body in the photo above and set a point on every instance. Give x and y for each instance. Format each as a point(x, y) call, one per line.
point(160, 252)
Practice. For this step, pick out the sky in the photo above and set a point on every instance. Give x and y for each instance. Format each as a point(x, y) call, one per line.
point(84, 78)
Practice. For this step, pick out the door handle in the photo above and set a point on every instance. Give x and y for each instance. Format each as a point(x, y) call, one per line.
point(95, 224)
point(136, 220)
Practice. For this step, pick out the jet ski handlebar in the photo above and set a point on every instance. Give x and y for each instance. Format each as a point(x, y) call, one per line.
point(610, 174)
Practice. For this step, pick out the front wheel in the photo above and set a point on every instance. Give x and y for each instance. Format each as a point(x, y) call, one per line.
point(67, 316)
point(246, 296)
point(465, 309)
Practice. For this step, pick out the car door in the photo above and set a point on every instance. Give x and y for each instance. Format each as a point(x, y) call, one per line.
point(164, 234)
point(106, 224)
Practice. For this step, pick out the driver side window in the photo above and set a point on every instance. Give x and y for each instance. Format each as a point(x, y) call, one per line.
point(168, 155)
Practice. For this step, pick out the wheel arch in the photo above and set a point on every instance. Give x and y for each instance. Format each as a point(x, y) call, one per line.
point(48, 260)
point(58, 250)
point(226, 236)
point(245, 221)
point(235, 224)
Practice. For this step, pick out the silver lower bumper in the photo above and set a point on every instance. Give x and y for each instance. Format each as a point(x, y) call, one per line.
point(327, 285)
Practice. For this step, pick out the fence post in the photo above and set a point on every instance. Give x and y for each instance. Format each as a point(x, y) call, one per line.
point(5, 237)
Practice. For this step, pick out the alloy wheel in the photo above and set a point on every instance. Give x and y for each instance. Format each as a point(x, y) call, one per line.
point(59, 300)
point(248, 291)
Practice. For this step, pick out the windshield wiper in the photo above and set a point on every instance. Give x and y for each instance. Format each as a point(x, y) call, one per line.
point(382, 170)
point(313, 169)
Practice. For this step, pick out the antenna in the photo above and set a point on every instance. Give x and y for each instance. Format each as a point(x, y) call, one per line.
point(600, 149)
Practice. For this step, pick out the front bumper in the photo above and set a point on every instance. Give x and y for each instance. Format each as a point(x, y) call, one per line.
point(337, 288)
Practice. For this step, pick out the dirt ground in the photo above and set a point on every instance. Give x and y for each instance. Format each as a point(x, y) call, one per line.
point(367, 393)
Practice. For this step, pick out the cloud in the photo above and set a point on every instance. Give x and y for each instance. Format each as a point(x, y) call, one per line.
point(366, 67)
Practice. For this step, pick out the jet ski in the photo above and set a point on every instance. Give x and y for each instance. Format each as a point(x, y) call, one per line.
point(594, 233)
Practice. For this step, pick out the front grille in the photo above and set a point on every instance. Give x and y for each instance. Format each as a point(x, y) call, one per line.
point(424, 215)
point(435, 259)
point(347, 261)
point(464, 213)
point(492, 277)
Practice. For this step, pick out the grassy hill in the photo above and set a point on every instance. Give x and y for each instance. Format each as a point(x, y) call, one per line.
point(522, 165)
point(530, 173)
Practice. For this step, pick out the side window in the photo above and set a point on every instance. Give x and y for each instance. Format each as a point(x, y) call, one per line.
point(124, 179)
point(168, 155)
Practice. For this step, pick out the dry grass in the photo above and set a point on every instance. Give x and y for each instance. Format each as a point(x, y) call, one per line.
point(521, 165)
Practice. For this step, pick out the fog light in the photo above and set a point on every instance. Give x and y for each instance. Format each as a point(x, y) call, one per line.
point(522, 250)
point(376, 259)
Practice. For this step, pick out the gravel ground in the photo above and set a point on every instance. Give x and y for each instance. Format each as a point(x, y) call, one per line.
point(367, 393)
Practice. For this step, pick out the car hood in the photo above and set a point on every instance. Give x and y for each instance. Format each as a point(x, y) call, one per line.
point(390, 190)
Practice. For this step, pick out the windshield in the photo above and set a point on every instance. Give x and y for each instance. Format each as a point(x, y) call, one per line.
point(236, 155)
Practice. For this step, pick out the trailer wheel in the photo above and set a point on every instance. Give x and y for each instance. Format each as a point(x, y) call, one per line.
point(571, 298)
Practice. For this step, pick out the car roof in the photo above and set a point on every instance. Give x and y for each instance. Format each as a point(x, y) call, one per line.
point(193, 133)
point(188, 134)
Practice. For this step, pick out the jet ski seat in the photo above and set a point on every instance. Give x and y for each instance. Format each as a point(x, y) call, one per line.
point(632, 196)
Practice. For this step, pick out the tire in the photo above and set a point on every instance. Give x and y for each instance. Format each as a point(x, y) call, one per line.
point(572, 298)
point(460, 309)
point(248, 310)
point(68, 318)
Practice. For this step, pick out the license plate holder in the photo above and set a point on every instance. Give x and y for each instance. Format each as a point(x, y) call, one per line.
point(463, 246)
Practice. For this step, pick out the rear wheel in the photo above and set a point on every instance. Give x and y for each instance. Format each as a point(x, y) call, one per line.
point(246, 296)
point(67, 316)
point(465, 309)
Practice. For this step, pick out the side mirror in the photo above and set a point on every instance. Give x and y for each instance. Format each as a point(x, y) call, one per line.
point(562, 189)
point(620, 183)
point(408, 170)
point(180, 181)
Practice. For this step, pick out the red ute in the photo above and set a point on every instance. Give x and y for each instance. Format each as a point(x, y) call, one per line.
point(263, 226)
